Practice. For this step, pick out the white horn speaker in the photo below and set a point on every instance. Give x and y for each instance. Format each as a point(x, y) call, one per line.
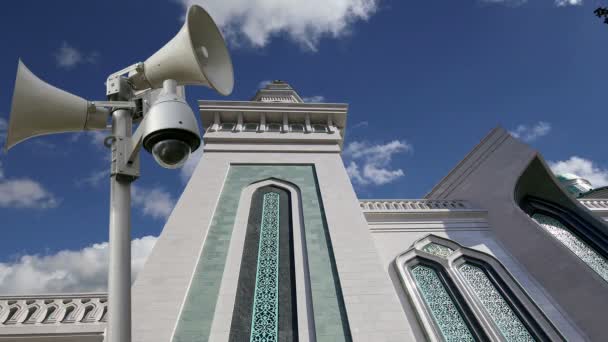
point(197, 55)
point(38, 108)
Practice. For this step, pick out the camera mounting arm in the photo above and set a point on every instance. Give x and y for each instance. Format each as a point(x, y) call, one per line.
point(125, 153)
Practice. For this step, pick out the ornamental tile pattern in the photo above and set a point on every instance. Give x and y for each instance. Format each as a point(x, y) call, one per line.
point(574, 244)
point(499, 310)
point(438, 250)
point(265, 317)
point(440, 304)
point(331, 324)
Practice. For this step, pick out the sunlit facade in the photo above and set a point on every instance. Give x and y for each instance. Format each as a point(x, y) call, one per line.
point(269, 242)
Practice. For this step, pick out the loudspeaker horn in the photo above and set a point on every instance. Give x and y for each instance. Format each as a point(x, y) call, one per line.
point(38, 108)
point(197, 55)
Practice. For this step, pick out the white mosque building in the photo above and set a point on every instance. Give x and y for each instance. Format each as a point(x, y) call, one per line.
point(269, 242)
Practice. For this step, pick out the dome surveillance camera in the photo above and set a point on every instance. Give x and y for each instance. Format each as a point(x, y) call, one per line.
point(171, 131)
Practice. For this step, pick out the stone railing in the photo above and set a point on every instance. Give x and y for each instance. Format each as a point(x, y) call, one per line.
point(595, 204)
point(53, 309)
point(404, 205)
point(387, 205)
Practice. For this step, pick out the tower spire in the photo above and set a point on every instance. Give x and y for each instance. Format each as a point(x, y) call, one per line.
point(277, 91)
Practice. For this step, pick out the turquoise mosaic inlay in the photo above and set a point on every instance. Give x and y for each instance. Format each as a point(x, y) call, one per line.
point(499, 310)
point(573, 243)
point(438, 250)
point(265, 317)
point(440, 304)
point(330, 321)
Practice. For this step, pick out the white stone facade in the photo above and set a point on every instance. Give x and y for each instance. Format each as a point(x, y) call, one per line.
point(366, 238)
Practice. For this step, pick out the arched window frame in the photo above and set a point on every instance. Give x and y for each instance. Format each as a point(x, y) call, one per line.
point(595, 238)
point(227, 296)
point(414, 257)
point(480, 323)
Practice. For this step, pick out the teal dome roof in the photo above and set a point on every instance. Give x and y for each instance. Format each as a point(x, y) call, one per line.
point(567, 176)
point(575, 185)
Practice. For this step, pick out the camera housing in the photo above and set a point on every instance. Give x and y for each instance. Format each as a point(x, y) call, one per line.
point(171, 131)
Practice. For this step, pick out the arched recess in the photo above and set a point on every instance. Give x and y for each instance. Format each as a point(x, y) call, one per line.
point(16, 313)
point(489, 300)
point(52, 313)
point(36, 313)
point(221, 324)
point(73, 313)
point(91, 313)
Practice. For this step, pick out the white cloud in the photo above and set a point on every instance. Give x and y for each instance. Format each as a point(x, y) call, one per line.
point(24, 193)
point(581, 167)
point(355, 174)
point(95, 178)
point(97, 137)
point(68, 56)
point(84, 270)
point(188, 169)
point(314, 99)
point(3, 127)
point(370, 164)
point(361, 124)
point(561, 3)
point(531, 133)
point(263, 84)
point(154, 202)
point(305, 22)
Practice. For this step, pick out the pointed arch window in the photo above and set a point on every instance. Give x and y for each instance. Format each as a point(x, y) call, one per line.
point(461, 294)
point(573, 232)
point(495, 305)
point(582, 250)
point(265, 304)
point(440, 304)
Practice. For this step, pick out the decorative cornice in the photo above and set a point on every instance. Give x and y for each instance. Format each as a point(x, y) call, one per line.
point(428, 215)
point(272, 126)
point(52, 310)
point(318, 111)
point(413, 205)
point(595, 204)
point(598, 206)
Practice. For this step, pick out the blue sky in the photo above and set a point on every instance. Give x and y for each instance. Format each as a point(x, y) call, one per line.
point(425, 80)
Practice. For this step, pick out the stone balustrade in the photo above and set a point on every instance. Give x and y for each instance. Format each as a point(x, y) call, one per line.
point(53, 309)
point(595, 204)
point(404, 205)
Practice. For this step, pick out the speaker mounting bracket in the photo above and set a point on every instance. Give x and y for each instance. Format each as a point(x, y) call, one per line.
point(125, 155)
point(117, 85)
point(115, 104)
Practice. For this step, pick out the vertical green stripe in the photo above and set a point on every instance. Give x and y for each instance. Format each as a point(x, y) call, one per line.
point(330, 320)
point(265, 317)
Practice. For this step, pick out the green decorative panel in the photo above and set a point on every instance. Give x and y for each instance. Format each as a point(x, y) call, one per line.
point(265, 317)
point(440, 304)
point(194, 324)
point(497, 308)
point(574, 244)
point(438, 250)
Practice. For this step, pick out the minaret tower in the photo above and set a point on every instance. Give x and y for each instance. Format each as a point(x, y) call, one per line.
point(267, 242)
